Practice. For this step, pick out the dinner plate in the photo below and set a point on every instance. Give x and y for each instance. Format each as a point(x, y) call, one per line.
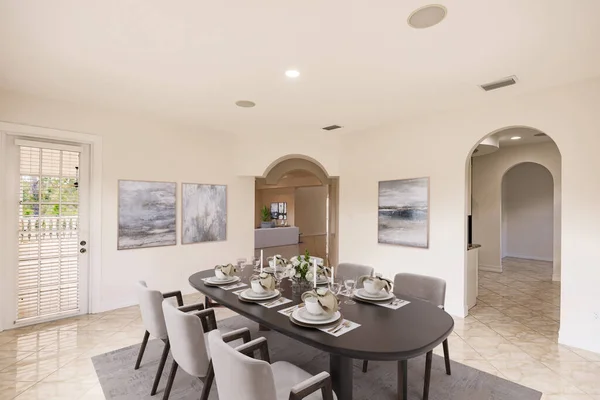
point(299, 315)
point(313, 325)
point(250, 295)
point(311, 317)
point(213, 281)
point(381, 296)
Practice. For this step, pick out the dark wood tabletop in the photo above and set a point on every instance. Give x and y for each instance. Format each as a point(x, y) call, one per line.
point(384, 334)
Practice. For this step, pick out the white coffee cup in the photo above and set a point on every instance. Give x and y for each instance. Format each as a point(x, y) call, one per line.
point(219, 274)
point(371, 286)
point(257, 287)
point(312, 306)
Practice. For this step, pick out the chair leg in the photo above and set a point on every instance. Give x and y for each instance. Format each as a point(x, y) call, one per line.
point(142, 349)
point(447, 357)
point(170, 381)
point(161, 367)
point(208, 380)
point(365, 365)
point(427, 375)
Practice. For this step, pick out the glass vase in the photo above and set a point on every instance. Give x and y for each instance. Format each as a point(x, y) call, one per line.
point(300, 286)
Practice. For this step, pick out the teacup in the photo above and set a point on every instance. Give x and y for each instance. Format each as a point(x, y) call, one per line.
point(372, 286)
point(220, 275)
point(312, 306)
point(257, 287)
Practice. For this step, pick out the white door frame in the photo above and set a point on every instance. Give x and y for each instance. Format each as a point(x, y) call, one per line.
point(95, 207)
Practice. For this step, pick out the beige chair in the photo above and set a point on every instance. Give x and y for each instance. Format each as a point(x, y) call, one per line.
point(353, 270)
point(432, 290)
point(189, 347)
point(241, 377)
point(154, 323)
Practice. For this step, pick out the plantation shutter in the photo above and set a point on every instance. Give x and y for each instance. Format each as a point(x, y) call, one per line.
point(48, 270)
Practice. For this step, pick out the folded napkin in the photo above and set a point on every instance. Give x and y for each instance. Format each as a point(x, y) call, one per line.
point(228, 269)
point(327, 300)
point(378, 281)
point(266, 280)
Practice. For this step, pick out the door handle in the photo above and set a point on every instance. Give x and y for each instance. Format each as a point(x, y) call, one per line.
point(82, 250)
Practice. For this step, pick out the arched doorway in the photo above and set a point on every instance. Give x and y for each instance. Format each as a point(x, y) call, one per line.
point(515, 281)
point(302, 200)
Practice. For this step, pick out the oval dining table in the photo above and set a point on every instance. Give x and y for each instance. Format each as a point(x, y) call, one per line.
point(384, 334)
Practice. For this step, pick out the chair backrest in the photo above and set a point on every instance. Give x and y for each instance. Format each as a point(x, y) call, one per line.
point(353, 270)
point(151, 309)
point(240, 377)
point(186, 337)
point(422, 287)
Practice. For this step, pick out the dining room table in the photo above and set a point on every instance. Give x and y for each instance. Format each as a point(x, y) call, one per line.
point(384, 334)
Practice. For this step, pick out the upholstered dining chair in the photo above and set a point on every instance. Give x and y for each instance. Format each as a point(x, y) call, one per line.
point(154, 323)
point(189, 346)
point(353, 270)
point(432, 290)
point(239, 376)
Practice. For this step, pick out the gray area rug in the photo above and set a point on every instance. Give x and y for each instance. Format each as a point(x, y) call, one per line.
point(119, 381)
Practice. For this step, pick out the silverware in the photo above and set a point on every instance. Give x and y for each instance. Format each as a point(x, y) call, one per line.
point(346, 324)
point(270, 303)
point(291, 310)
point(330, 330)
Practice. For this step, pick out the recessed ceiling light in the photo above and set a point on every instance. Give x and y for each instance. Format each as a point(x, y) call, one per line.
point(245, 103)
point(515, 138)
point(292, 73)
point(427, 16)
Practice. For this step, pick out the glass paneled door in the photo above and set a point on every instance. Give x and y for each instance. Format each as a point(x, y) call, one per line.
point(51, 247)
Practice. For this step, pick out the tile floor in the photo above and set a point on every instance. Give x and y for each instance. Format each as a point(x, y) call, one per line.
point(512, 333)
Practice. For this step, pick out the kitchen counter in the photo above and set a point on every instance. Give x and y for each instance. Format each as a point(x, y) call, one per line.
point(275, 237)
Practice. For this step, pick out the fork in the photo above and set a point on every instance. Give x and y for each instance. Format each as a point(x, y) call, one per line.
point(270, 303)
point(346, 324)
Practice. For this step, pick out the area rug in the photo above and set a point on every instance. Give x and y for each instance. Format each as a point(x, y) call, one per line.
point(120, 381)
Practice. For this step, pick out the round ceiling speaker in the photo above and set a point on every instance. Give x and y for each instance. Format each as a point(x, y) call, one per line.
point(427, 16)
point(245, 103)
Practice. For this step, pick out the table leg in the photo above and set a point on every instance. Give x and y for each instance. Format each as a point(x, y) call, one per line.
point(341, 369)
point(403, 380)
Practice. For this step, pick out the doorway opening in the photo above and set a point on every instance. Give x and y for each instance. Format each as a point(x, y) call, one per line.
point(296, 210)
point(513, 220)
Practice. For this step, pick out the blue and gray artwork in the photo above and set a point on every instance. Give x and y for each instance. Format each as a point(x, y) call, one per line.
point(403, 217)
point(147, 214)
point(204, 210)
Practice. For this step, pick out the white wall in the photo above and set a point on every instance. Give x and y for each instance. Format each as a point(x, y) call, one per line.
point(528, 208)
point(488, 222)
point(145, 149)
point(438, 146)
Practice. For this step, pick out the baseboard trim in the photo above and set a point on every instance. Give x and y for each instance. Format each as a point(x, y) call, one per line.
point(528, 258)
point(490, 268)
point(555, 277)
point(580, 338)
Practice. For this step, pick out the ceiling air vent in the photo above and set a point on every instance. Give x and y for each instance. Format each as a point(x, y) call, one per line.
point(332, 127)
point(511, 80)
point(540, 134)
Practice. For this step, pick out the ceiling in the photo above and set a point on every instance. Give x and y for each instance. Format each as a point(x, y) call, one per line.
point(361, 65)
point(527, 136)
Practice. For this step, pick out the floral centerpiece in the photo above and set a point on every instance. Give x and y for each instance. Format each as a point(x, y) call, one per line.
point(301, 272)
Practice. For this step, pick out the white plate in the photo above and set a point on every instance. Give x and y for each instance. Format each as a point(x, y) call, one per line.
point(213, 280)
point(383, 295)
point(249, 294)
point(303, 312)
point(300, 315)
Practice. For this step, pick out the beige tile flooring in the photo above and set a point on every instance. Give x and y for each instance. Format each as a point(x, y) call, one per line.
point(512, 333)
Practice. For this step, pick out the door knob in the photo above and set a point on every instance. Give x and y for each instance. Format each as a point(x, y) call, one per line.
point(83, 243)
point(82, 251)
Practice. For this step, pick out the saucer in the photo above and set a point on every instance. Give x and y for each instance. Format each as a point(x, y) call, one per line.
point(214, 281)
point(301, 315)
point(381, 296)
point(250, 295)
